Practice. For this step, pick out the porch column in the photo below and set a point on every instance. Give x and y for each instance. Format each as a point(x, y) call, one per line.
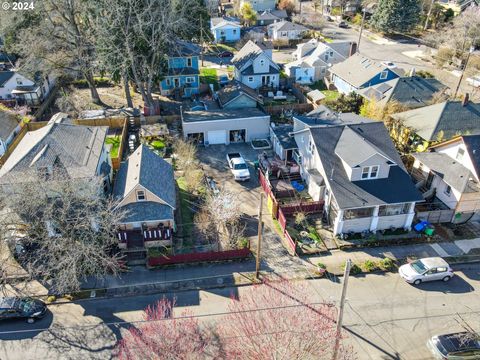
point(374, 223)
point(410, 216)
point(338, 226)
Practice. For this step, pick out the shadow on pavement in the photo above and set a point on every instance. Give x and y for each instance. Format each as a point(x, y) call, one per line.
point(457, 285)
point(19, 329)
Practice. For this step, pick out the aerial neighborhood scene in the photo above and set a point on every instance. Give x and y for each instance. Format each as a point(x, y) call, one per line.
point(240, 179)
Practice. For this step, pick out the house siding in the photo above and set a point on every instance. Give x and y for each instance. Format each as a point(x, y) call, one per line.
point(261, 5)
point(227, 33)
point(376, 160)
point(241, 102)
point(257, 80)
point(11, 84)
point(257, 127)
point(167, 85)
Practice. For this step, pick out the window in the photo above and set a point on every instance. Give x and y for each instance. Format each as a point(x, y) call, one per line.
point(250, 79)
point(19, 81)
point(370, 172)
point(389, 210)
point(331, 53)
point(234, 31)
point(222, 33)
point(383, 75)
point(284, 34)
point(311, 146)
point(190, 80)
point(357, 213)
point(140, 195)
point(273, 77)
point(167, 81)
point(460, 154)
point(448, 190)
point(262, 62)
point(189, 62)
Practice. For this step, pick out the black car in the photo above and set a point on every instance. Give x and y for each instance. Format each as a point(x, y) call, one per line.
point(457, 346)
point(22, 308)
point(225, 54)
point(328, 18)
point(343, 25)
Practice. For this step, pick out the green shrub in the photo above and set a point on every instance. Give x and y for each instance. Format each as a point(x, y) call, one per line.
point(369, 266)
point(355, 270)
point(321, 265)
point(425, 74)
point(386, 264)
point(243, 243)
point(51, 299)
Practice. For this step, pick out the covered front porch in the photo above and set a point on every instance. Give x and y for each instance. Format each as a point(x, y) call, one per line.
point(145, 237)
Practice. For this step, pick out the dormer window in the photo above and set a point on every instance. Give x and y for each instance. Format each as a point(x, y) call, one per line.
point(311, 147)
point(383, 75)
point(370, 172)
point(262, 62)
point(140, 195)
point(460, 154)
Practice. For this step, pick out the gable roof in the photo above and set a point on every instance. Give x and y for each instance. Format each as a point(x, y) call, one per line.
point(250, 51)
point(235, 89)
point(5, 76)
point(218, 22)
point(76, 149)
point(184, 48)
point(472, 144)
point(324, 116)
point(144, 167)
point(449, 118)
point(357, 69)
point(272, 15)
point(412, 91)
point(283, 134)
point(8, 123)
point(287, 26)
point(396, 188)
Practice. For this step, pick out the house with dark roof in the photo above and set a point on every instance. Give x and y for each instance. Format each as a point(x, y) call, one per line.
point(410, 91)
point(312, 59)
point(358, 72)
point(15, 86)
point(9, 127)
point(59, 151)
point(145, 191)
point(419, 128)
point(449, 177)
point(269, 17)
point(236, 95)
point(254, 67)
point(225, 29)
point(182, 77)
point(356, 171)
point(286, 30)
point(260, 5)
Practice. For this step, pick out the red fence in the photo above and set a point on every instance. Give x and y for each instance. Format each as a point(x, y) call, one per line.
point(199, 257)
point(264, 183)
point(290, 242)
point(282, 219)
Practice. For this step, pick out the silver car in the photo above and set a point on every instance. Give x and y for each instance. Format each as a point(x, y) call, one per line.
point(426, 269)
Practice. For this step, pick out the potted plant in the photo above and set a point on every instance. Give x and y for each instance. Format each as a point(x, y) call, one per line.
point(321, 269)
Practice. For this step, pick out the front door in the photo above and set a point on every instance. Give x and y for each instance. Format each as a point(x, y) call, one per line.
point(430, 177)
point(265, 79)
point(176, 82)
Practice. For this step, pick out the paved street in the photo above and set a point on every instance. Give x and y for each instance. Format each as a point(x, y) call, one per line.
point(385, 317)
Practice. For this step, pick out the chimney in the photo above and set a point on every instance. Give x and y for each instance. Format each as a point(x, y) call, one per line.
point(465, 99)
point(353, 48)
point(412, 72)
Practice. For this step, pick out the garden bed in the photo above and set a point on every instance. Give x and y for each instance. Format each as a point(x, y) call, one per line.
point(306, 236)
point(115, 141)
point(260, 144)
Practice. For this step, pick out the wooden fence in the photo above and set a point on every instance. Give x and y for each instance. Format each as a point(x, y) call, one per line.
point(436, 216)
point(123, 141)
point(307, 208)
point(198, 257)
point(117, 122)
point(278, 109)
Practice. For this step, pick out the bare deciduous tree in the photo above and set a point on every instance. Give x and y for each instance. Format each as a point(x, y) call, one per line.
point(164, 336)
point(277, 320)
point(68, 228)
point(185, 154)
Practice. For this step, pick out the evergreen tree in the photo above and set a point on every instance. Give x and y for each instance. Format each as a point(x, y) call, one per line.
point(396, 15)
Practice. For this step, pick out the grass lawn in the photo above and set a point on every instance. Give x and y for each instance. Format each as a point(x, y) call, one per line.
point(209, 76)
point(330, 94)
point(158, 144)
point(187, 213)
point(115, 141)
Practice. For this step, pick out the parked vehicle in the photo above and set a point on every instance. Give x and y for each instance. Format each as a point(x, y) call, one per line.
point(22, 308)
point(343, 25)
point(223, 80)
point(426, 269)
point(225, 54)
point(456, 346)
point(389, 64)
point(328, 18)
point(238, 166)
point(474, 81)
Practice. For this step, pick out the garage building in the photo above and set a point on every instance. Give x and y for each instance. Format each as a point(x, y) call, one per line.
point(225, 126)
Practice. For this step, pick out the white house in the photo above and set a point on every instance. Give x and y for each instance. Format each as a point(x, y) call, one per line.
point(449, 176)
point(357, 172)
point(285, 30)
point(9, 127)
point(14, 85)
point(260, 5)
point(312, 59)
point(254, 67)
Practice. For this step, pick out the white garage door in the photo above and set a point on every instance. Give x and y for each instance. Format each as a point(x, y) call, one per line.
point(217, 137)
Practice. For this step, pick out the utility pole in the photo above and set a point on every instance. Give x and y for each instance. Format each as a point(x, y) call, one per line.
point(361, 29)
point(346, 275)
point(428, 15)
point(260, 231)
point(472, 49)
point(201, 38)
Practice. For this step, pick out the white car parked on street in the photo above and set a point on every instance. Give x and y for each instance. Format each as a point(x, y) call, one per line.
point(474, 81)
point(427, 269)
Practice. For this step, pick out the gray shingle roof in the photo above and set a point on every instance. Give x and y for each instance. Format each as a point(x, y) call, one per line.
point(282, 133)
point(146, 211)
point(357, 69)
point(226, 20)
point(234, 90)
point(272, 15)
point(184, 48)
point(397, 188)
point(250, 71)
point(8, 123)
point(144, 167)
point(410, 91)
point(73, 148)
point(5, 76)
point(223, 114)
point(249, 51)
point(472, 143)
point(323, 116)
point(287, 26)
point(449, 118)
point(451, 171)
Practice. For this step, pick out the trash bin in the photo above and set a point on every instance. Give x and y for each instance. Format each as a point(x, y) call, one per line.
point(255, 164)
point(429, 231)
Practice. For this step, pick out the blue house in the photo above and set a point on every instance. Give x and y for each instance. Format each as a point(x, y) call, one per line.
point(358, 72)
point(182, 78)
point(225, 29)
